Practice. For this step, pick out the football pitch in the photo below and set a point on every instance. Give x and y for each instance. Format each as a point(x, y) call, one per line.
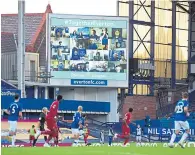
point(99, 150)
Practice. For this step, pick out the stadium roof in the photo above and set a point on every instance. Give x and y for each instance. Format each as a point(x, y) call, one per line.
point(34, 24)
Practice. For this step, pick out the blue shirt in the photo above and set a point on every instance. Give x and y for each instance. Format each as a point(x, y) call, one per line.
point(61, 67)
point(93, 46)
point(14, 109)
point(75, 57)
point(180, 115)
point(75, 121)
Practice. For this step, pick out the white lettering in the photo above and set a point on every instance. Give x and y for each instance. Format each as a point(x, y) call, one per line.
point(157, 132)
point(149, 131)
point(163, 131)
point(169, 131)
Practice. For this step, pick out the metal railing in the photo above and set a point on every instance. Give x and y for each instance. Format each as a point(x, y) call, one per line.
point(41, 77)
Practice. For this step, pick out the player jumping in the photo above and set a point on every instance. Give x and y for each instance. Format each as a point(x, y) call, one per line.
point(181, 114)
point(51, 121)
point(41, 124)
point(125, 127)
point(14, 111)
point(76, 123)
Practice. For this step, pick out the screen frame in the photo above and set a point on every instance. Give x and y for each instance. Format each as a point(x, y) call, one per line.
point(110, 83)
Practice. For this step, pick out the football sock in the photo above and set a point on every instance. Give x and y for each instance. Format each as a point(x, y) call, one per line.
point(13, 140)
point(183, 138)
point(49, 138)
point(172, 138)
point(126, 141)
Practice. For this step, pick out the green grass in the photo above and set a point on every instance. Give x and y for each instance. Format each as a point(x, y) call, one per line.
point(102, 150)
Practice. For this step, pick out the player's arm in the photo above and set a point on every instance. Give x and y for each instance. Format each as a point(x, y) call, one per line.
point(20, 114)
point(7, 112)
point(176, 109)
point(125, 119)
point(186, 109)
point(41, 117)
point(133, 123)
point(20, 111)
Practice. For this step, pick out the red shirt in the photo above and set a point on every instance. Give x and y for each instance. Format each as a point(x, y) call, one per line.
point(53, 109)
point(128, 117)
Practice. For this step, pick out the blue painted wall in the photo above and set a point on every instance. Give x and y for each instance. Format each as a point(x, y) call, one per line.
point(70, 105)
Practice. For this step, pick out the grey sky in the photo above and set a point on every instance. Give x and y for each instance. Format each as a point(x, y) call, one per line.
point(88, 7)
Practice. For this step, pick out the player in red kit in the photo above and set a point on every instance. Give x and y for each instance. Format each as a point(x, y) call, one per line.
point(125, 127)
point(51, 121)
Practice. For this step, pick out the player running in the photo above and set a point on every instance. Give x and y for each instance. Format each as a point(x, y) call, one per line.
point(14, 111)
point(51, 121)
point(181, 114)
point(41, 124)
point(76, 123)
point(86, 134)
point(125, 127)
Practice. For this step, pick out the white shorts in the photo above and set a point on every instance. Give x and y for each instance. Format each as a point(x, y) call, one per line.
point(101, 140)
point(81, 132)
point(12, 126)
point(182, 125)
point(75, 131)
point(138, 138)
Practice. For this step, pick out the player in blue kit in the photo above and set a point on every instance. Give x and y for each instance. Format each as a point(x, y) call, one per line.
point(181, 114)
point(14, 111)
point(76, 123)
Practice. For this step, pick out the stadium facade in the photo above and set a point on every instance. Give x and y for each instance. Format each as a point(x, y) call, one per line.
point(160, 31)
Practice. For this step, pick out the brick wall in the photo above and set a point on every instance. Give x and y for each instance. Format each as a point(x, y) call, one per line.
point(139, 103)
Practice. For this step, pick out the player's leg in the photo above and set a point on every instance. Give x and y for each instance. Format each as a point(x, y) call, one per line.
point(174, 135)
point(32, 138)
point(85, 138)
point(109, 140)
point(81, 132)
point(126, 139)
point(56, 140)
point(140, 139)
point(50, 124)
point(186, 127)
point(45, 137)
point(12, 131)
point(124, 130)
point(77, 135)
point(137, 139)
point(74, 134)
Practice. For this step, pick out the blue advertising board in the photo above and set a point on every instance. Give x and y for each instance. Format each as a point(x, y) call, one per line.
point(10, 92)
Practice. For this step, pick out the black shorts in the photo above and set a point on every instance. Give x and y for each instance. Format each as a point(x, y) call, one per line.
point(42, 128)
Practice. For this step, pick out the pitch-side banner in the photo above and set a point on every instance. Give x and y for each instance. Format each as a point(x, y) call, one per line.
point(89, 51)
point(10, 92)
point(164, 131)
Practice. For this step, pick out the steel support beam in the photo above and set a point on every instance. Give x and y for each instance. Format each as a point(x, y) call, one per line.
point(173, 63)
point(21, 47)
point(152, 38)
point(131, 17)
point(117, 7)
